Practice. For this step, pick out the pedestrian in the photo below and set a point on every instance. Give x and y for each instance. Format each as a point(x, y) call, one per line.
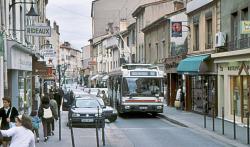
point(105, 98)
point(54, 106)
point(22, 135)
point(8, 114)
point(46, 115)
point(58, 97)
point(177, 102)
point(35, 124)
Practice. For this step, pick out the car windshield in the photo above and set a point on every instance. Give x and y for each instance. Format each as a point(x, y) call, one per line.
point(142, 86)
point(86, 103)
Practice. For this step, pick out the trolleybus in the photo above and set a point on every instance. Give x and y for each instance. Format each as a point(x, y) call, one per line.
point(136, 88)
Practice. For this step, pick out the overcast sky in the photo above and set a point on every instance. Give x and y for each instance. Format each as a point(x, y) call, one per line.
point(73, 18)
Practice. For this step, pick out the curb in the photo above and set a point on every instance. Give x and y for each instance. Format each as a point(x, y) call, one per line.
point(204, 131)
point(172, 120)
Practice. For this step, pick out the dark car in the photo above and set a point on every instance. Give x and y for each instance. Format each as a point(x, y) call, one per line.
point(86, 113)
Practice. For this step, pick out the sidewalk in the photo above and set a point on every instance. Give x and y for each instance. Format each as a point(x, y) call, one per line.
point(196, 122)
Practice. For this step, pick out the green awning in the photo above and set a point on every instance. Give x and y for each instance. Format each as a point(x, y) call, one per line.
point(193, 65)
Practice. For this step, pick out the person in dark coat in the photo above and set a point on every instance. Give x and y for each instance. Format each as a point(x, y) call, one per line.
point(46, 121)
point(58, 98)
point(8, 115)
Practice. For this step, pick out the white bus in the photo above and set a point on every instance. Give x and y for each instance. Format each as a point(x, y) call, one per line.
point(136, 88)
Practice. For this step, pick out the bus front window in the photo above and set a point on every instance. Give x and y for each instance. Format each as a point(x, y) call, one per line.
point(141, 86)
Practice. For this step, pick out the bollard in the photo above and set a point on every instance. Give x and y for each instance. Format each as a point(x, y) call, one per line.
point(72, 133)
point(213, 117)
point(223, 120)
point(234, 126)
point(97, 136)
point(205, 119)
point(247, 127)
point(60, 126)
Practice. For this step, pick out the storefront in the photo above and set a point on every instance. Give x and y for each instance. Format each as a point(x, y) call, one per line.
point(173, 79)
point(199, 83)
point(234, 88)
point(19, 75)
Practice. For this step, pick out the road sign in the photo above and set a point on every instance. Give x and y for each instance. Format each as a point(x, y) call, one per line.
point(38, 31)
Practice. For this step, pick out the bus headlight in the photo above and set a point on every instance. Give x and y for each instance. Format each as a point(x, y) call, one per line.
point(127, 107)
point(159, 107)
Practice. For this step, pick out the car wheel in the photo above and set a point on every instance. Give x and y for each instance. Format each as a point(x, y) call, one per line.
point(113, 118)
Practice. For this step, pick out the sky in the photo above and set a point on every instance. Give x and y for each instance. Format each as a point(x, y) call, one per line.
point(74, 20)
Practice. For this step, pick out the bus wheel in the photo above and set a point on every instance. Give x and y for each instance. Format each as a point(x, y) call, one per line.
point(154, 114)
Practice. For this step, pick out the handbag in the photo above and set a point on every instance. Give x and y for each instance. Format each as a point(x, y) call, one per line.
point(177, 103)
point(11, 124)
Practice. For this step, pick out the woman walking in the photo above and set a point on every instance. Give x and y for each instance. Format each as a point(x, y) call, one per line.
point(47, 114)
point(22, 136)
point(8, 114)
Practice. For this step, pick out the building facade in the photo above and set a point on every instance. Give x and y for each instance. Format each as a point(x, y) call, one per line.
point(71, 60)
point(199, 74)
point(17, 51)
point(232, 60)
point(145, 15)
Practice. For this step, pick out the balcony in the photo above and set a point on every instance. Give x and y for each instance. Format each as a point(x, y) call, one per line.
point(238, 44)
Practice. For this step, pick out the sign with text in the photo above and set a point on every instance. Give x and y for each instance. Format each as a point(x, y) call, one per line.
point(44, 31)
point(143, 73)
point(49, 53)
point(245, 27)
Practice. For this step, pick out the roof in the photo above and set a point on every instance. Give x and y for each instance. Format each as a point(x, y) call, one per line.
point(142, 7)
point(162, 19)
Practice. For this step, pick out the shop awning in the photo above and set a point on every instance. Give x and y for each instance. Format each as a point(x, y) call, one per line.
point(193, 65)
point(104, 78)
point(94, 77)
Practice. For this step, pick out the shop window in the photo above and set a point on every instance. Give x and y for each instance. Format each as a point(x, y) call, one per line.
point(235, 95)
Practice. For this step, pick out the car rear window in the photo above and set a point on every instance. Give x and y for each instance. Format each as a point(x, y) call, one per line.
point(81, 103)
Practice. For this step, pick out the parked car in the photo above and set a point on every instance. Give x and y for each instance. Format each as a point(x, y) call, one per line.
point(109, 112)
point(84, 113)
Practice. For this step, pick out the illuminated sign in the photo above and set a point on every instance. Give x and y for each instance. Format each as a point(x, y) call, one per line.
point(143, 73)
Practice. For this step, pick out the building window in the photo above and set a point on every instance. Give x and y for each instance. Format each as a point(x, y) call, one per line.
point(196, 32)
point(234, 28)
point(122, 43)
point(133, 37)
point(196, 37)
point(163, 49)
point(244, 37)
point(150, 52)
point(209, 30)
point(157, 51)
point(127, 41)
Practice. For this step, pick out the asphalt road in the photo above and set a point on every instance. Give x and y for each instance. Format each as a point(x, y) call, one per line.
point(137, 130)
point(140, 130)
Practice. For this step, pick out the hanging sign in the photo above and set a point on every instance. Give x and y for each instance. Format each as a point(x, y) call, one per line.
point(44, 31)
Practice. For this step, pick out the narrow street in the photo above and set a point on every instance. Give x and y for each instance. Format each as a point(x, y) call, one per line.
point(135, 130)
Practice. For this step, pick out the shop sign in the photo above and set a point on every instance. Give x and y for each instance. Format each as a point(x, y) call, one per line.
point(20, 60)
point(237, 67)
point(44, 31)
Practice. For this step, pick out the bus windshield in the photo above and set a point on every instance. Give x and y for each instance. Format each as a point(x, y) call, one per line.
point(142, 87)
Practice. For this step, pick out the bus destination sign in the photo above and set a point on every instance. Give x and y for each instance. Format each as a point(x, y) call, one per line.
point(143, 73)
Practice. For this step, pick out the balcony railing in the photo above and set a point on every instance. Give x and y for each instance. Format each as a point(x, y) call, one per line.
point(238, 44)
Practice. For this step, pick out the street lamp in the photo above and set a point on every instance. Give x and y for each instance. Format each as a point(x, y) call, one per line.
point(31, 12)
